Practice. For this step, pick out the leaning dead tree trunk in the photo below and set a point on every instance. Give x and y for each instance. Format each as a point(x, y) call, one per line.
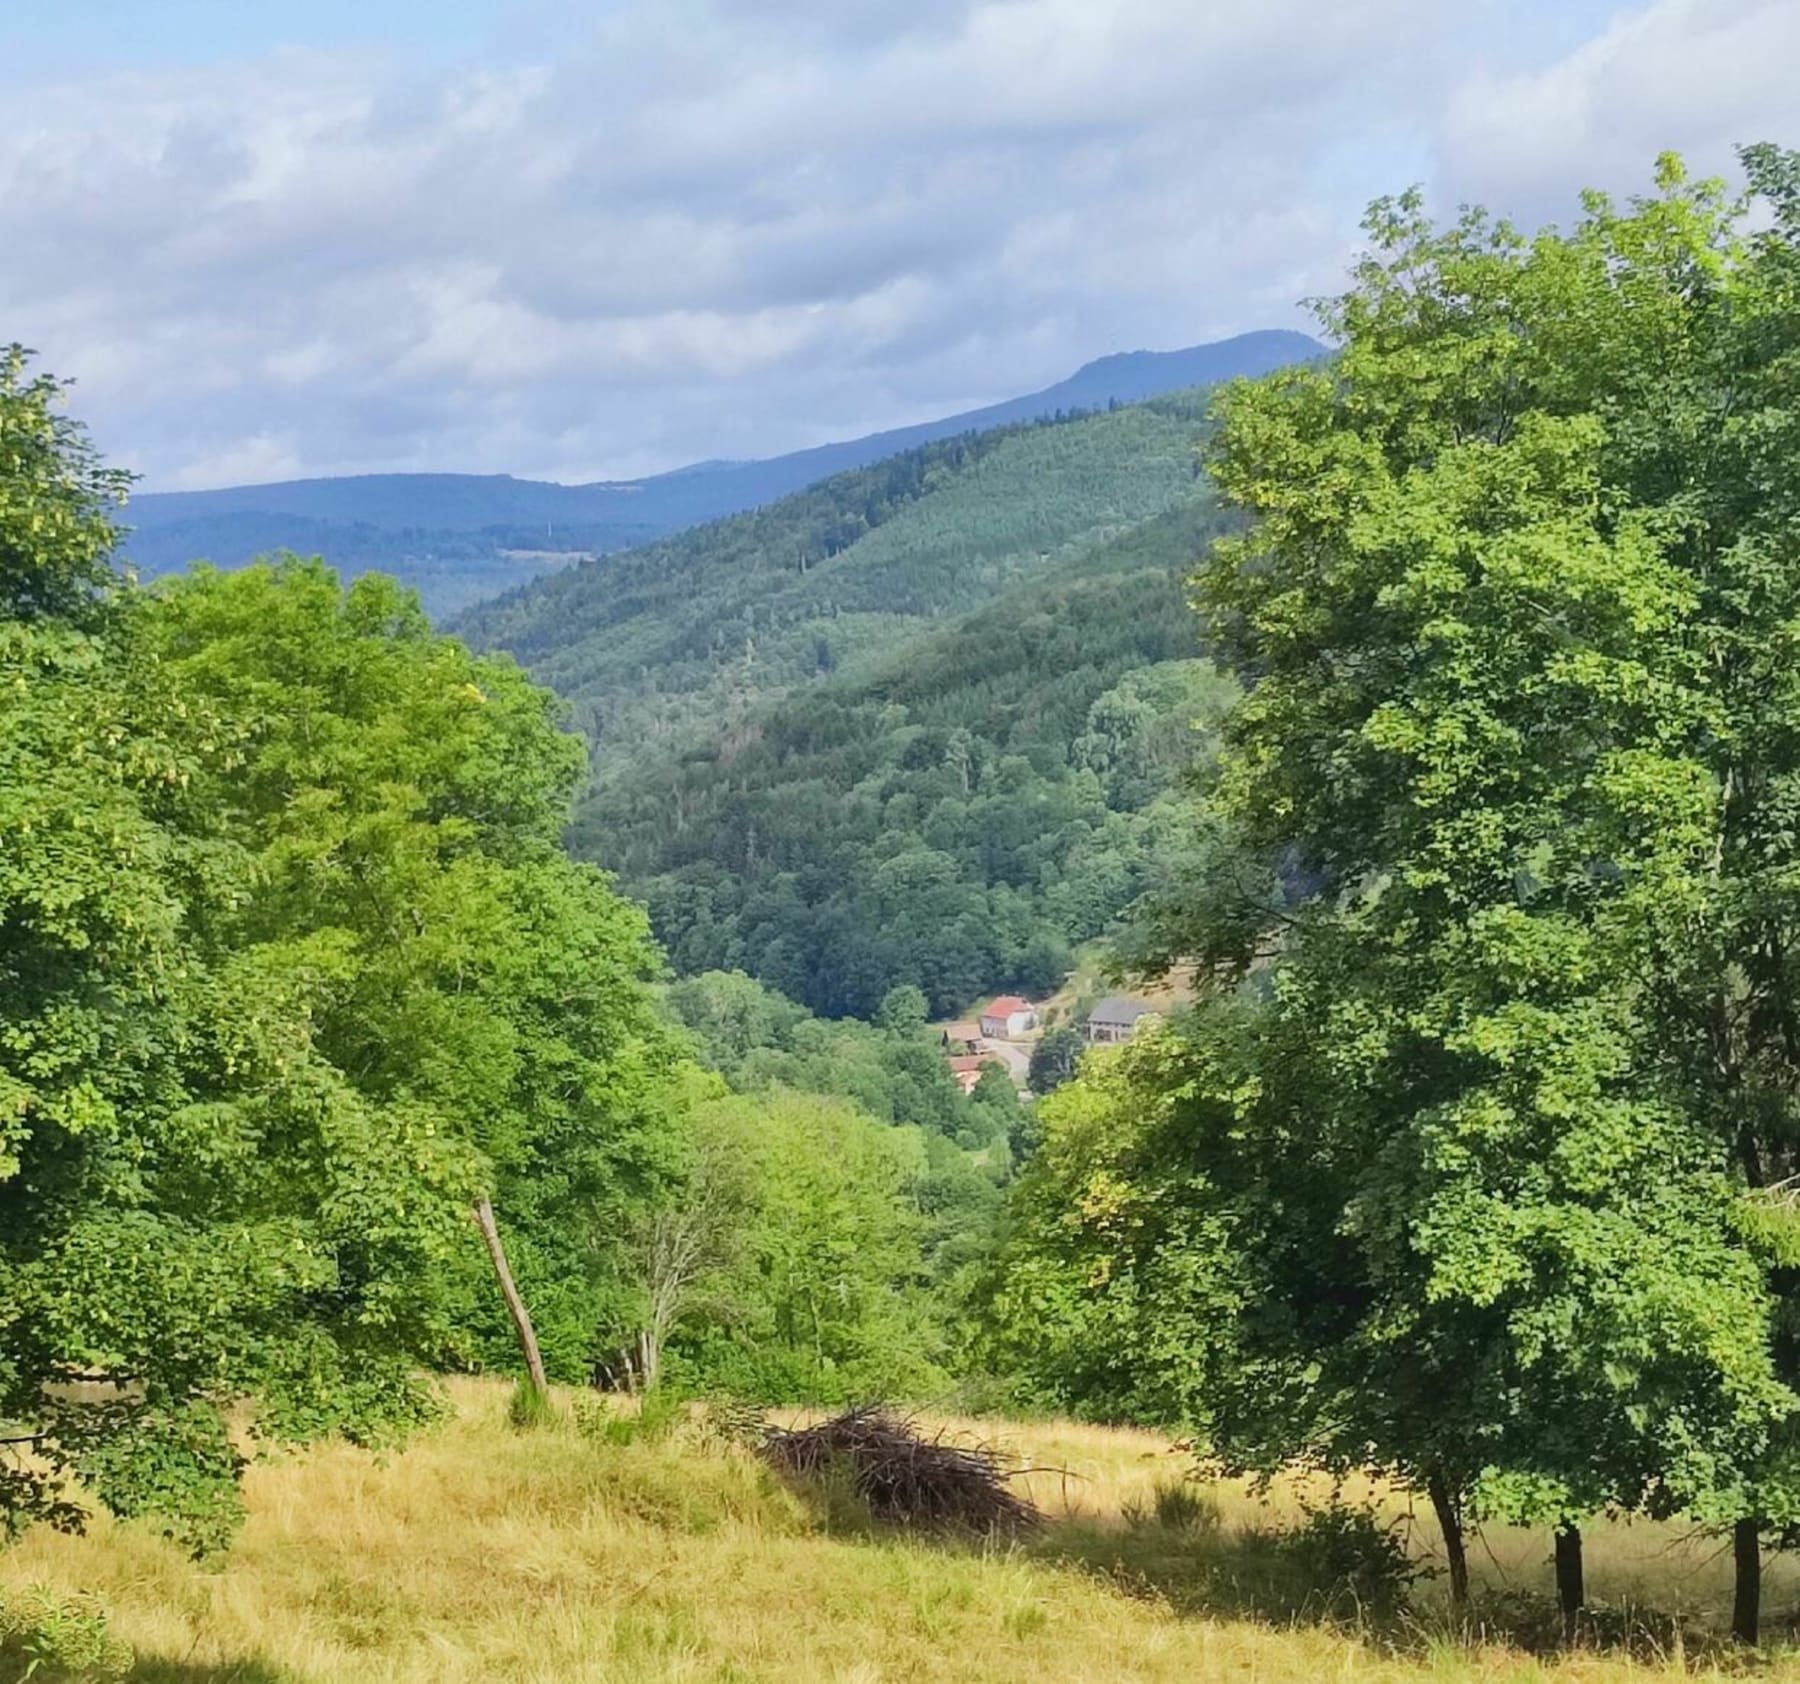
point(1450, 1522)
point(515, 1305)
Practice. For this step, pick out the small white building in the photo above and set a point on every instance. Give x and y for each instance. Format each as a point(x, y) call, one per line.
point(1116, 1019)
point(966, 1070)
point(1008, 1017)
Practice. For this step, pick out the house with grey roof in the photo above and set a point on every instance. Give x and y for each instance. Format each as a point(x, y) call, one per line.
point(1116, 1019)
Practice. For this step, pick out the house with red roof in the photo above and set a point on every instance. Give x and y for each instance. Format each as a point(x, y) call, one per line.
point(966, 1069)
point(1007, 1017)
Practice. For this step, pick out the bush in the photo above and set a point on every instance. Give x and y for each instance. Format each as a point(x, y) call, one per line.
point(1180, 1506)
point(1352, 1559)
point(659, 1412)
point(47, 1637)
point(531, 1410)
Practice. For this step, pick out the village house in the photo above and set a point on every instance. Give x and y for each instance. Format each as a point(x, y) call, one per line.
point(1116, 1019)
point(966, 1070)
point(966, 1036)
point(1007, 1017)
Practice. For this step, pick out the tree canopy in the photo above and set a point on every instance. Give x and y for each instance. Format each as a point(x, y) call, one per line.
point(293, 973)
point(1460, 1176)
point(196, 1205)
point(404, 800)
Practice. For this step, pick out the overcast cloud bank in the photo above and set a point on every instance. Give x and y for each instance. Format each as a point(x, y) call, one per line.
point(701, 230)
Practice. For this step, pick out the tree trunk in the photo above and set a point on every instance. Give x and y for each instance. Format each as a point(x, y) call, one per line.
point(515, 1305)
point(1449, 1519)
point(1746, 1604)
point(1571, 1594)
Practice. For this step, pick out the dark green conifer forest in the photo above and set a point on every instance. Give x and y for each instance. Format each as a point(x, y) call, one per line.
point(912, 727)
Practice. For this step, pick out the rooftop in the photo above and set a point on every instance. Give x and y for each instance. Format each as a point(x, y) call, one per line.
point(1118, 1008)
point(972, 1061)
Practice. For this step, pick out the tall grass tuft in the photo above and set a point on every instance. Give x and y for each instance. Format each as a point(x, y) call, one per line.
point(531, 1410)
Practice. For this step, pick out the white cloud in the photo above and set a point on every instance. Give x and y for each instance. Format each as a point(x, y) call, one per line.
point(259, 458)
point(713, 227)
point(1696, 76)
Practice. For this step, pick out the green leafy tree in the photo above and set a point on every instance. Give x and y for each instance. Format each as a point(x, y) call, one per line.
point(1054, 1057)
point(816, 1290)
point(993, 1117)
point(1447, 1201)
point(757, 1041)
point(1717, 447)
point(402, 803)
point(903, 1010)
point(197, 1210)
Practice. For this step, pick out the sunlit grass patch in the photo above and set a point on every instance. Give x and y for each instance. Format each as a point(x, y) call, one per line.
point(487, 1553)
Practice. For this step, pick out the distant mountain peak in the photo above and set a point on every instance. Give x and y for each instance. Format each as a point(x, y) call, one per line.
point(1289, 345)
point(457, 537)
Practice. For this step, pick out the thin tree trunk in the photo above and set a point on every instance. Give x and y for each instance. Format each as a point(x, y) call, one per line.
point(1746, 1604)
point(515, 1305)
point(1449, 1519)
point(1571, 1594)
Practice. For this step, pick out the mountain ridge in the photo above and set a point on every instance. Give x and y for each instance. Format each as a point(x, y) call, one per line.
point(460, 537)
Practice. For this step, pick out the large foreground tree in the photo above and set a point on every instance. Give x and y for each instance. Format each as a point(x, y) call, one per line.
point(1469, 1185)
point(197, 1208)
point(403, 801)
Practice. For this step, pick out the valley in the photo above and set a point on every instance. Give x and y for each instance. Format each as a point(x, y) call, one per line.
point(1148, 1033)
point(912, 726)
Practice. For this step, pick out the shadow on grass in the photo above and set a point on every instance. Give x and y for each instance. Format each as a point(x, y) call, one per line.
point(1344, 1567)
point(1356, 1575)
point(158, 1669)
point(1329, 1573)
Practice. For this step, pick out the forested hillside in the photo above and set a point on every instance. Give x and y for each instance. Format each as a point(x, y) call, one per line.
point(697, 628)
point(958, 820)
point(907, 727)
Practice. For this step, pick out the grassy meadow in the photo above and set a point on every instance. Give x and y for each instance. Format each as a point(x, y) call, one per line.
point(484, 1552)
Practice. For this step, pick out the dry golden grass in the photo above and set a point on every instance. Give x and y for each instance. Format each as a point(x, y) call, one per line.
point(485, 1554)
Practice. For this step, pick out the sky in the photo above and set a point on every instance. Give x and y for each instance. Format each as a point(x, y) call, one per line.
point(586, 241)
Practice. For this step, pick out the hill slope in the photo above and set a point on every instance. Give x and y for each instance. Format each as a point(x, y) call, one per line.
point(485, 1555)
point(458, 537)
point(910, 726)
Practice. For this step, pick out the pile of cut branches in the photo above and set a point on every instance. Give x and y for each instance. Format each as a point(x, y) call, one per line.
point(905, 1477)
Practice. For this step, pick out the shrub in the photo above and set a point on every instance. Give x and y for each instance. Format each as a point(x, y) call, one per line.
point(47, 1638)
point(1177, 1506)
point(531, 1410)
point(1352, 1559)
point(659, 1412)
